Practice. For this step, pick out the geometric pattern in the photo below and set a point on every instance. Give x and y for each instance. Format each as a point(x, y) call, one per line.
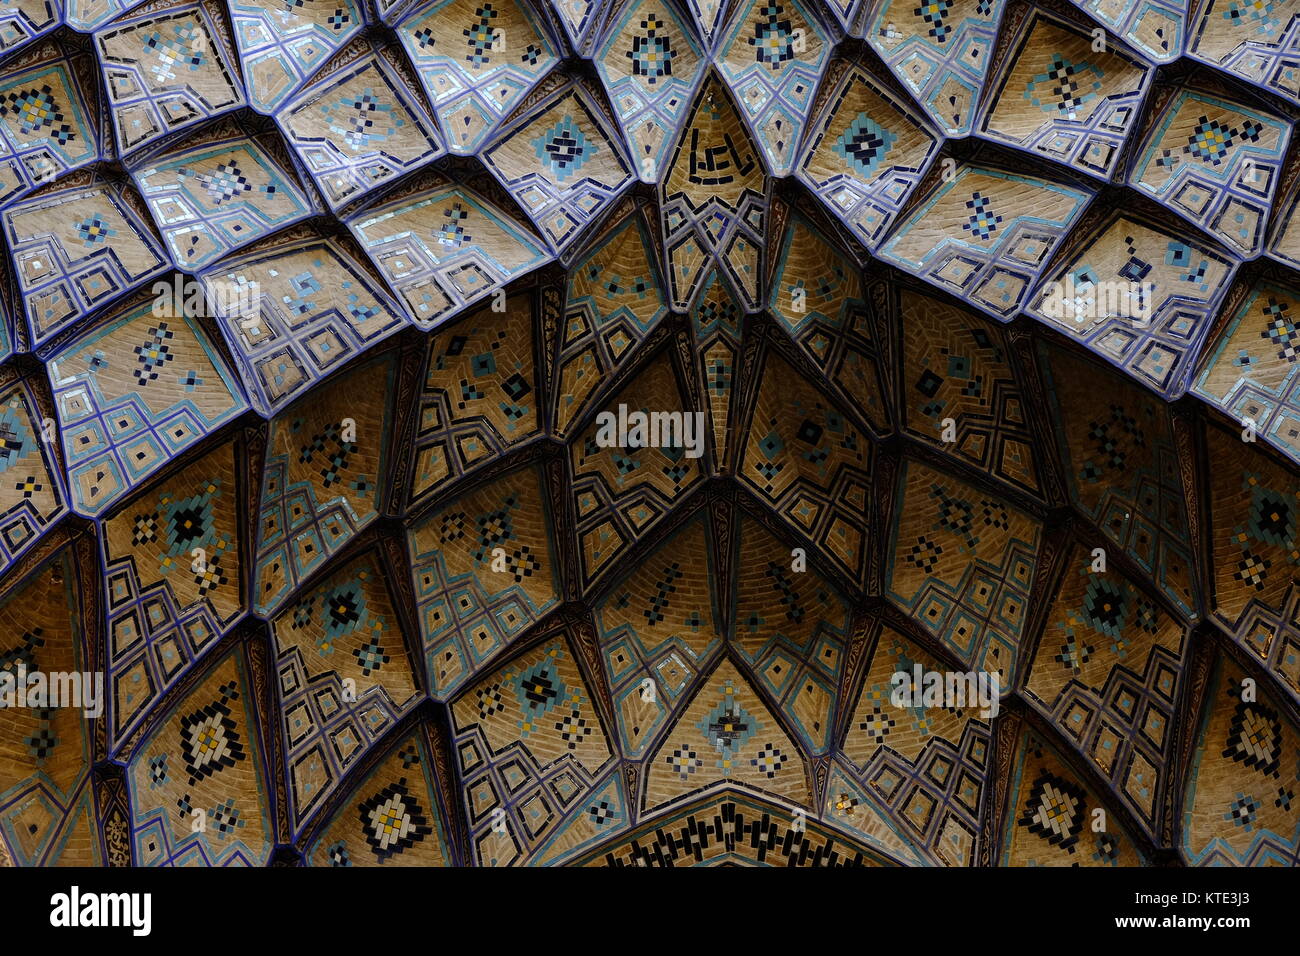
point(477, 60)
point(1217, 165)
point(479, 396)
point(534, 758)
point(172, 582)
point(310, 310)
point(986, 235)
point(614, 300)
point(708, 17)
point(77, 249)
point(868, 154)
point(26, 20)
point(32, 497)
point(1154, 28)
point(1117, 444)
point(962, 567)
point(715, 323)
point(1241, 792)
point(322, 483)
point(791, 629)
point(217, 194)
point(197, 785)
point(817, 298)
point(140, 390)
point(579, 18)
point(658, 628)
point(295, 307)
point(726, 734)
point(342, 675)
point(282, 44)
point(360, 126)
point(1107, 673)
point(957, 366)
point(391, 818)
point(45, 753)
point(714, 201)
point(1252, 366)
point(44, 129)
point(1285, 243)
point(1154, 325)
point(773, 59)
point(484, 571)
point(561, 162)
point(929, 765)
point(442, 249)
point(735, 828)
point(650, 64)
point(940, 49)
point(1254, 531)
point(1061, 99)
point(167, 71)
point(619, 493)
point(1255, 40)
point(1053, 815)
point(811, 465)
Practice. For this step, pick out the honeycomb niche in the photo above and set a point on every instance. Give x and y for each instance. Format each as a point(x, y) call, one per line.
point(542, 432)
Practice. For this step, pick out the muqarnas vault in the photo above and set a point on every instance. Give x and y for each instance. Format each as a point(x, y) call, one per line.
point(363, 586)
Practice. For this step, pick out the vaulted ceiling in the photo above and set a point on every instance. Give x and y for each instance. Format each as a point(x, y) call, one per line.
point(366, 588)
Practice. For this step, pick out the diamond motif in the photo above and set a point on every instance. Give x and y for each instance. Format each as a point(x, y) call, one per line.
point(393, 821)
